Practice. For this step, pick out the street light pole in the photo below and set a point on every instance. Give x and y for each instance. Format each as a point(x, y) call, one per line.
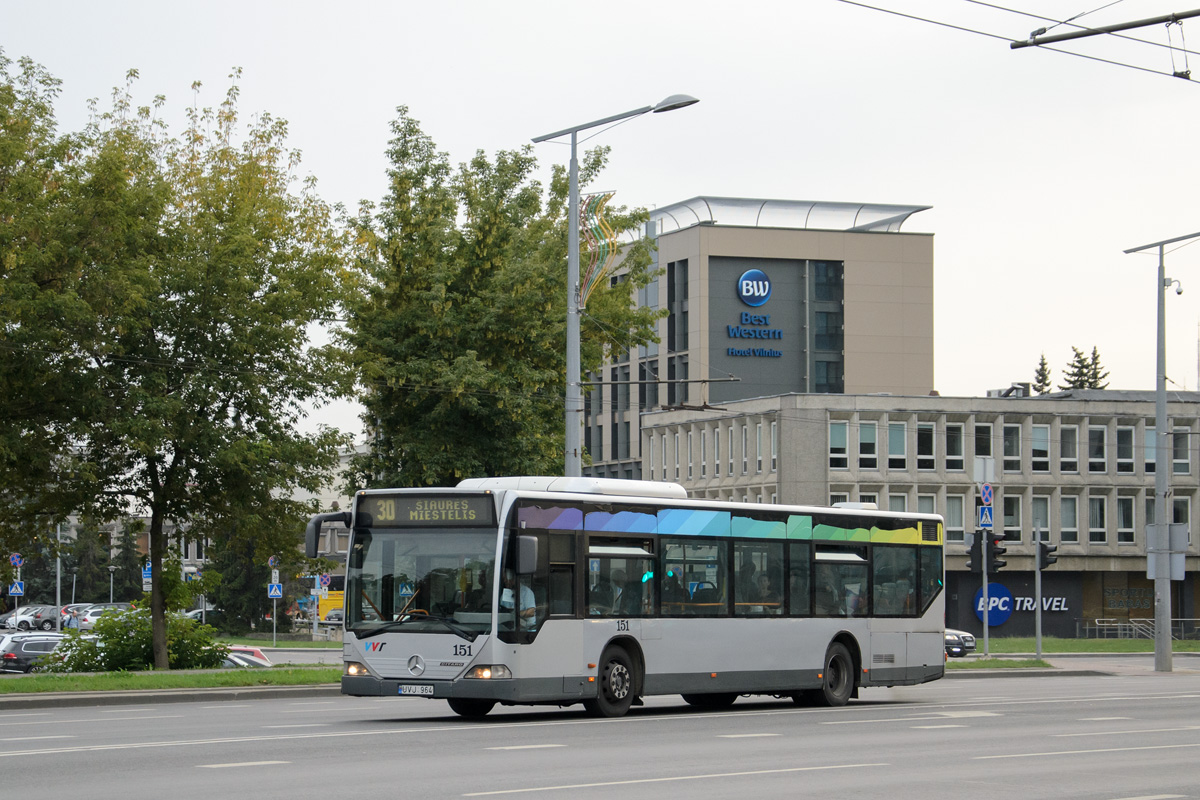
point(573, 462)
point(1158, 545)
point(112, 570)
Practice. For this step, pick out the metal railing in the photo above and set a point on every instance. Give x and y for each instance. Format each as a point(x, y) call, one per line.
point(1137, 628)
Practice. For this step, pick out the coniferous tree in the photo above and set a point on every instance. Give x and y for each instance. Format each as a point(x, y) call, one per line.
point(1078, 374)
point(1097, 375)
point(1041, 377)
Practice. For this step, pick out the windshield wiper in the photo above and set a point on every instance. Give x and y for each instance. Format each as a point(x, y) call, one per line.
point(457, 629)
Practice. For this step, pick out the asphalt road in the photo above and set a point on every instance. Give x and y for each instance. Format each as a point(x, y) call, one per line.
point(1133, 734)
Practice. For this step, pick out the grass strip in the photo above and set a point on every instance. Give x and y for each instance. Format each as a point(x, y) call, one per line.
point(999, 663)
point(1052, 644)
point(254, 641)
point(179, 679)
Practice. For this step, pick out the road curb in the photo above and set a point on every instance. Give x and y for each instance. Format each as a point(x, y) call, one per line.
point(9, 702)
point(1025, 673)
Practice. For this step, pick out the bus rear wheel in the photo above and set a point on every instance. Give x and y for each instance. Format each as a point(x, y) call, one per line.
point(471, 709)
point(617, 682)
point(711, 701)
point(837, 679)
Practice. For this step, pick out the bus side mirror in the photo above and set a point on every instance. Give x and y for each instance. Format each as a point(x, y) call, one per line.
point(527, 547)
point(312, 533)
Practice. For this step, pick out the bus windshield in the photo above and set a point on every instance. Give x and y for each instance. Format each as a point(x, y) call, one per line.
point(434, 580)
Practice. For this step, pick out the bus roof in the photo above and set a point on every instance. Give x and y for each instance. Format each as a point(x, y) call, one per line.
point(603, 486)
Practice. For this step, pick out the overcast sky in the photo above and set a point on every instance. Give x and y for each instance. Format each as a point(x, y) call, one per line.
point(1040, 167)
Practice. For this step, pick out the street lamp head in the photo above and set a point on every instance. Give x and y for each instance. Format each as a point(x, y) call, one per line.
point(675, 101)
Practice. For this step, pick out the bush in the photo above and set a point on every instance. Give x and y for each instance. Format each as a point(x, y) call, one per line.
point(122, 641)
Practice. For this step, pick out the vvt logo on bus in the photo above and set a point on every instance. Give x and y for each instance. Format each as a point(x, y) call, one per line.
point(754, 287)
point(373, 647)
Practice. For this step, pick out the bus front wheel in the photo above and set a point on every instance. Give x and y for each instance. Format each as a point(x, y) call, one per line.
point(472, 709)
point(837, 679)
point(616, 682)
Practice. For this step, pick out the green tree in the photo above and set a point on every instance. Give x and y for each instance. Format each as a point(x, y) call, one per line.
point(1097, 375)
point(205, 265)
point(460, 335)
point(1078, 374)
point(127, 580)
point(1041, 377)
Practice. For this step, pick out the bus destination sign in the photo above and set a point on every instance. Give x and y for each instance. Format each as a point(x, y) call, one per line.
point(388, 510)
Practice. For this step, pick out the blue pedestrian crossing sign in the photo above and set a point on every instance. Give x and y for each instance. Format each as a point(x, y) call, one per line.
point(985, 517)
point(17, 589)
point(274, 591)
point(406, 590)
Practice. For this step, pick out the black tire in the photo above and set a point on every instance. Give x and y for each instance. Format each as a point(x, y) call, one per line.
point(617, 683)
point(711, 701)
point(22, 625)
point(469, 708)
point(837, 679)
point(47, 625)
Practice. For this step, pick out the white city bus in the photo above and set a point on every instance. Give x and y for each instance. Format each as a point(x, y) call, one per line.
point(580, 590)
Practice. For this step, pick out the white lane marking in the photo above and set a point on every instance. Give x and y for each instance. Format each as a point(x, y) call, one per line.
point(241, 764)
point(35, 738)
point(525, 747)
point(31, 714)
point(936, 715)
point(1127, 733)
point(77, 721)
point(1153, 797)
point(1103, 719)
point(676, 778)
point(301, 725)
point(744, 735)
point(223, 707)
point(314, 703)
point(935, 727)
point(1087, 752)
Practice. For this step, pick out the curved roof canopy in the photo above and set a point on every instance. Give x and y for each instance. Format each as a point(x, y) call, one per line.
point(798, 214)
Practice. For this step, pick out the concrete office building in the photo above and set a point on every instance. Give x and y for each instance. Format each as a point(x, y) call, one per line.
point(768, 297)
point(1076, 468)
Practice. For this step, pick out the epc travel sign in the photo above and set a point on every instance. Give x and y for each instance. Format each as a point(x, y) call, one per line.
point(754, 287)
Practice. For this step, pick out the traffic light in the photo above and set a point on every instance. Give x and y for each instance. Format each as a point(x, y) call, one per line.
point(1046, 555)
point(975, 553)
point(996, 549)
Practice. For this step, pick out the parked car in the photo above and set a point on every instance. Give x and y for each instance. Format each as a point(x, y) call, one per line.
point(67, 609)
point(212, 616)
point(959, 643)
point(43, 618)
point(336, 616)
point(244, 656)
point(92, 613)
point(22, 652)
point(23, 619)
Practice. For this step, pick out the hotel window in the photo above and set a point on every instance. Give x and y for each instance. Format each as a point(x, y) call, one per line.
point(1068, 520)
point(1150, 437)
point(746, 456)
point(1068, 456)
point(717, 453)
point(1181, 513)
point(651, 456)
point(954, 447)
point(1012, 448)
point(1097, 457)
point(898, 503)
point(838, 497)
point(774, 447)
point(1181, 465)
point(955, 503)
point(868, 498)
point(664, 457)
point(677, 456)
point(1040, 518)
point(1039, 448)
point(689, 455)
point(983, 439)
point(897, 446)
point(731, 427)
point(758, 447)
point(837, 445)
point(1097, 519)
point(1124, 520)
point(1125, 451)
point(704, 454)
point(867, 448)
point(1012, 517)
point(925, 449)
point(927, 504)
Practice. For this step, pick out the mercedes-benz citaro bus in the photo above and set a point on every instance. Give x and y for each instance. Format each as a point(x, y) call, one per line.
point(556, 591)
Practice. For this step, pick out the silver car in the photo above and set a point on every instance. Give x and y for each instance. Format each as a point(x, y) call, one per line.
point(88, 617)
point(25, 618)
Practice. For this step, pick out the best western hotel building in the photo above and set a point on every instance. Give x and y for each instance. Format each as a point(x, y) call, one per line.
point(796, 366)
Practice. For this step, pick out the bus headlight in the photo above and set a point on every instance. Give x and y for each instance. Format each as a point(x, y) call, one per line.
point(489, 672)
point(353, 669)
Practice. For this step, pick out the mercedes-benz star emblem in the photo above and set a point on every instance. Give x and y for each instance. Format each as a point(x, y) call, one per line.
point(416, 665)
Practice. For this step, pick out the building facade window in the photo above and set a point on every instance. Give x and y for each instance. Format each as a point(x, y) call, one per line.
point(983, 438)
point(1012, 448)
point(927, 504)
point(1068, 457)
point(1068, 519)
point(954, 448)
point(838, 497)
point(717, 453)
point(1012, 517)
point(731, 437)
point(897, 503)
point(1124, 451)
point(954, 527)
point(1097, 449)
point(838, 459)
point(758, 447)
point(1039, 517)
point(703, 453)
point(1125, 521)
point(746, 456)
point(676, 456)
point(897, 446)
point(1097, 519)
point(1039, 448)
point(650, 455)
point(689, 455)
point(1180, 462)
point(1151, 438)
point(664, 457)
point(925, 446)
point(868, 497)
point(868, 448)
point(774, 447)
